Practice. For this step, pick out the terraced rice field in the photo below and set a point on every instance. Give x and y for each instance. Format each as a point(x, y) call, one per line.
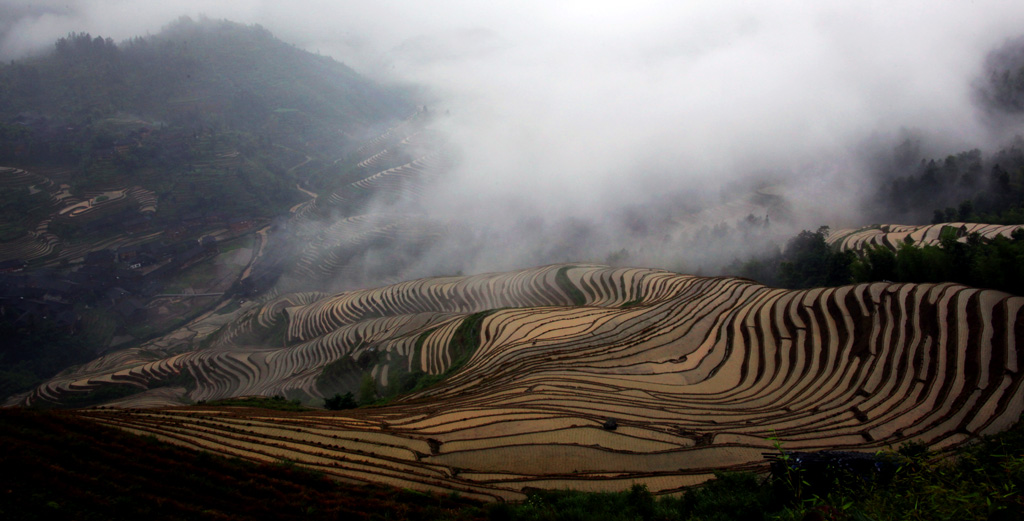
point(333, 251)
point(892, 235)
point(395, 134)
point(364, 231)
point(388, 186)
point(698, 374)
point(36, 244)
point(39, 242)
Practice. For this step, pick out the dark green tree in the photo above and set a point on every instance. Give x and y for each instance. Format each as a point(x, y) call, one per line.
point(809, 262)
point(339, 402)
point(877, 264)
point(367, 390)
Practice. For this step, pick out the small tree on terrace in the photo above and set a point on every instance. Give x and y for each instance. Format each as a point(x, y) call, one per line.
point(339, 402)
point(809, 262)
point(367, 390)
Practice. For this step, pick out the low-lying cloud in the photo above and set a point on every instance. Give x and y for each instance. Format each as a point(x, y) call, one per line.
point(571, 114)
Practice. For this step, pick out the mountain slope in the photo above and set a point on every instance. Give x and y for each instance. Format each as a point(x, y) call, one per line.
point(116, 160)
point(199, 72)
point(697, 374)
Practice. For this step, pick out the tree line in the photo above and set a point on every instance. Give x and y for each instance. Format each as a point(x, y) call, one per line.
point(808, 261)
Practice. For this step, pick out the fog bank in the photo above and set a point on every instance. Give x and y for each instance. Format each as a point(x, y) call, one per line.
point(584, 128)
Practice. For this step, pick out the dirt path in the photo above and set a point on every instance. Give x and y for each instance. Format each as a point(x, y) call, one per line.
point(313, 195)
point(297, 207)
point(257, 251)
point(292, 169)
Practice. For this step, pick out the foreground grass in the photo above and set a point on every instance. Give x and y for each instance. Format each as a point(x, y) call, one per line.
point(982, 481)
point(731, 496)
point(59, 466)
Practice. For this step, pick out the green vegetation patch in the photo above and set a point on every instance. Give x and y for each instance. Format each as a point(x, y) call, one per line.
point(276, 335)
point(277, 403)
point(566, 285)
point(730, 496)
point(981, 481)
point(808, 262)
point(464, 342)
point(985, 263)
point(341, 379)
point(340, 402)
point(245, 241)
point(196, 277)
point(466, 339)
point(30, 354)
point(20, 205)
point(337, 376)
point(346, 374)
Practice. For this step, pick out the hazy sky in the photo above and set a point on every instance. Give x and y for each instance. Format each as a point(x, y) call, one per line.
point(577, 108)
point(710, 88)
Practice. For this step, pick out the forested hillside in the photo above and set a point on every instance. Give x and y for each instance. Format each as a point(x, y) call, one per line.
point(913, 186)
point(135, 169)
point(193, 73)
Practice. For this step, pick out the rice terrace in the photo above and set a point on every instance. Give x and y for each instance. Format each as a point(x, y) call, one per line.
point(696, 373)
point(240, 261)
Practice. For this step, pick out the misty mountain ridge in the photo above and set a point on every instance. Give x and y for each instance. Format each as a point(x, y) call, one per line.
point(205, 71)
point(118, 160)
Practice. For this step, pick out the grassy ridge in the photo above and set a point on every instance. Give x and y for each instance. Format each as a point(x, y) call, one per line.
point(345, 374)
point(465, 341)
point(562, 279)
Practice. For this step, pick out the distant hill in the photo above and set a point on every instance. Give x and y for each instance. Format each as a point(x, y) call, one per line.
point(117, 160)
point(205, 114)
point(193, 73)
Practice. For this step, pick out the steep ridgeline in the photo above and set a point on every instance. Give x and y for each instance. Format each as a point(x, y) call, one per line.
point(892, 235)
point(193, 72)
point(591, 377)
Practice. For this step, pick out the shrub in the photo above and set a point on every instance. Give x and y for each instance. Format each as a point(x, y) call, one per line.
point(339, 402)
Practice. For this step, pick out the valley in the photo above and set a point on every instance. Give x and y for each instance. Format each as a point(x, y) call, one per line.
point(257, 254)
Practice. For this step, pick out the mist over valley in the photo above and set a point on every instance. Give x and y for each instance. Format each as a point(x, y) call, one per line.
point(493, 250)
